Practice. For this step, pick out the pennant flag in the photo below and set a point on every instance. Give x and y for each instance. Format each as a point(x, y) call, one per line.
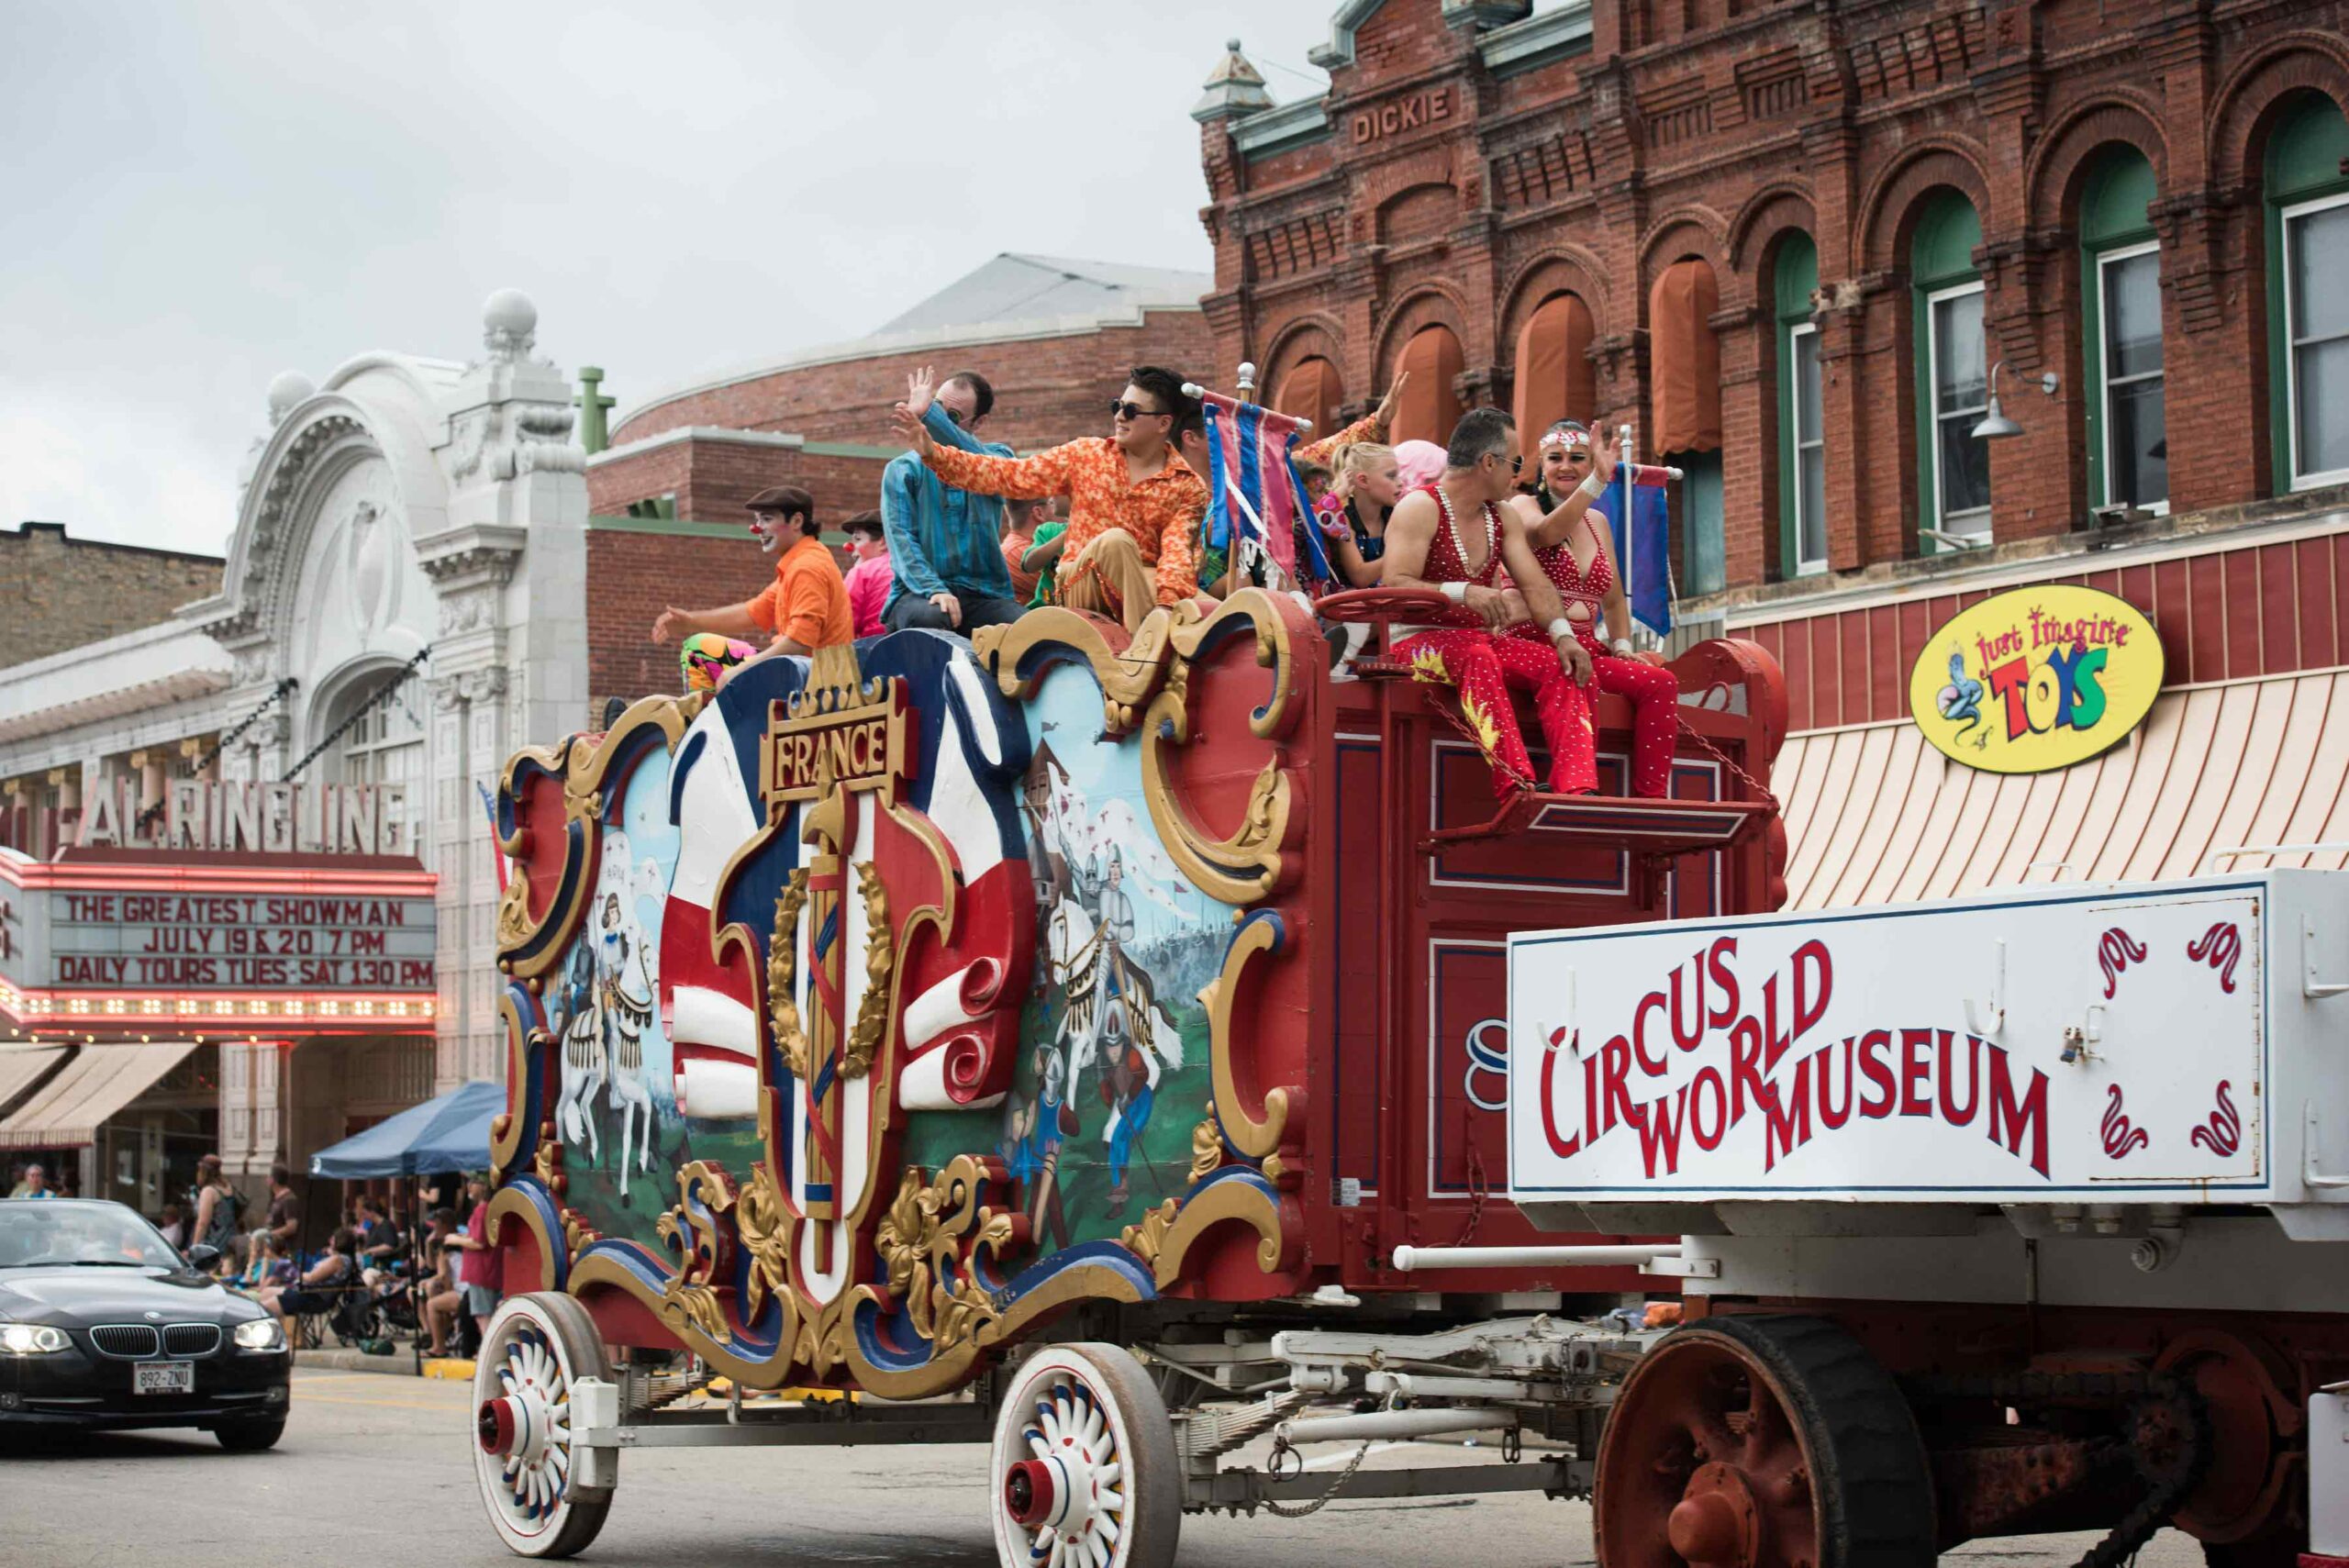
point(1254, 490)
point(1644, 550)
point(489, 804)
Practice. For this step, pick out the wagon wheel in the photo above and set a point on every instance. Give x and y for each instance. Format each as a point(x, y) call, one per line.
point(1082, 1470)
point(535, 1349)
point(1762, 1442)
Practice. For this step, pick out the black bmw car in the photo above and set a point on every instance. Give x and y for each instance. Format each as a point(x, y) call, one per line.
point(105, 1325)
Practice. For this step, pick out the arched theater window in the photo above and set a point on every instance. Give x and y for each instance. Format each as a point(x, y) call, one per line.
point(2307, 309)
point(2121, 336)
point(1685, 399)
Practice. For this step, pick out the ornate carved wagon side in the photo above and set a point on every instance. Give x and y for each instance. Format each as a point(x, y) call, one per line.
point(889, 1013)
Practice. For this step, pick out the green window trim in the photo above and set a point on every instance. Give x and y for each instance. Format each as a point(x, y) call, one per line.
point(1794, 274)
point(2114, 217)
point(1941, 259)
point(2303, 165)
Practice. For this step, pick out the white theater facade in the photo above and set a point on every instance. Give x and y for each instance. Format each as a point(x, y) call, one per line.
point(247, 884)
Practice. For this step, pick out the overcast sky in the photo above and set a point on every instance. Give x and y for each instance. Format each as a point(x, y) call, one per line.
point(202, 196)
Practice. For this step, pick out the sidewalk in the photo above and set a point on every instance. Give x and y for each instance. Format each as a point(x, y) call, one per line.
point(401, 1363)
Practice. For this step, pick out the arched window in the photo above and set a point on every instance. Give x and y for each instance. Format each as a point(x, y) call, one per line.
point(1311, 391)
point(1554, 375)
point(1684, 397)
point(1953, 370)
point(2121, 335)
point(383, 747)
point(1429, 407)
point(1802, 436)
point(2308, 309)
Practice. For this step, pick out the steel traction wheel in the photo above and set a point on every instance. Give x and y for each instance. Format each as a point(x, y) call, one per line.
point(534, 1350)
point(1082, 1471)
point(1762, 1442)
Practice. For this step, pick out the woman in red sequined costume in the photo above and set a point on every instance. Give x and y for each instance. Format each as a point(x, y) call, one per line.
point(1573, 542)
point(1459, 535)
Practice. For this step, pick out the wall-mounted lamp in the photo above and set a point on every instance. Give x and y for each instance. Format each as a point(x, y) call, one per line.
point(1995, 424)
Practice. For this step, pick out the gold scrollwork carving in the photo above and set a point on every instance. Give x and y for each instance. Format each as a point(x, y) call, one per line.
point(1253, 1136)
point(928, 1241)
point(782, 968)
point(1146, 1240)
point(691, 1228)
point(880, 968)
point(583, 770)
point(762, 1222)
point(1239, 1201)
point(1206, 1146)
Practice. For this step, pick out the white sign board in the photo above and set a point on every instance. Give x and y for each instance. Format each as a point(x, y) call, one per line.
point(2064, 1045)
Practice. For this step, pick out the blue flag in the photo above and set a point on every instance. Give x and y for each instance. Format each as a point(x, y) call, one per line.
point(1646, 554)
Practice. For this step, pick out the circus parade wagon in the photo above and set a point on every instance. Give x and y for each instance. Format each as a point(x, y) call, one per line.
point(1153, 1057)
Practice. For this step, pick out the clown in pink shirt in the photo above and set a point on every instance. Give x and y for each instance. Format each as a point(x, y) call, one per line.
point(868, 579)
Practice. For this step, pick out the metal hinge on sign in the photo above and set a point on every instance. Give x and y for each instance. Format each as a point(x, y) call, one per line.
point(2310, 1176)
point(1684, 1267)
point(1996, 1012)
point(2311, 986)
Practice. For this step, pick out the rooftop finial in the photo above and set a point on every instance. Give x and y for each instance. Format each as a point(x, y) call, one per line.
point(510, 324)
point(1235, 89)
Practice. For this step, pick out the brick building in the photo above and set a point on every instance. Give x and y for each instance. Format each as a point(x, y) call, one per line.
point(60, 590)
point(1789, 241)
point(1806, 249)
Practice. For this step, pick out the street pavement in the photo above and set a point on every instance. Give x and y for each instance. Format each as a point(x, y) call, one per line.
point(376, 1469)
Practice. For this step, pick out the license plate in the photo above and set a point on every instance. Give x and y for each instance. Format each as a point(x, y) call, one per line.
point(163, 1378)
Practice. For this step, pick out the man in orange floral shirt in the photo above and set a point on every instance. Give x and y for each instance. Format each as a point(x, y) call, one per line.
point(1134, 507)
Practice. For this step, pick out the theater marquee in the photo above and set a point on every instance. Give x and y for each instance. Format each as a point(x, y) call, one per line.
point(113, 940)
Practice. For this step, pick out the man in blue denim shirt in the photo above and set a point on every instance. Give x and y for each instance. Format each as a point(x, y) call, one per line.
point(946, 545)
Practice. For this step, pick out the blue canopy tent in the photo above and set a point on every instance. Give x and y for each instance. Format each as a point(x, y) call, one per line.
point(449, 1132)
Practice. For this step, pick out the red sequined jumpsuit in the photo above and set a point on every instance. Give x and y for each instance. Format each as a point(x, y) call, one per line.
point(1653, 690)
point(1484, 666)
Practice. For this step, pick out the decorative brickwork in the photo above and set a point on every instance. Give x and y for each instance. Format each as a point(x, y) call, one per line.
point(1712, 129)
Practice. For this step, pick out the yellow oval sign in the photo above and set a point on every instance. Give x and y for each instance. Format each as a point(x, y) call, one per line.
point(2036, 679)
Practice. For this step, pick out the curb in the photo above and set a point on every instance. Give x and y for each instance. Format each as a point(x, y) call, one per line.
point(401, 1363)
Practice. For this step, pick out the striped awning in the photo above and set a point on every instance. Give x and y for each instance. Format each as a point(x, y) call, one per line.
point(89, 1091)
point(23, 1064)
point(1875, 816)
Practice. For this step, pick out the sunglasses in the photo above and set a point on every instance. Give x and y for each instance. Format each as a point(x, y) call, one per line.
point(1516, 464)
point(1120, 409)
point(951, 416)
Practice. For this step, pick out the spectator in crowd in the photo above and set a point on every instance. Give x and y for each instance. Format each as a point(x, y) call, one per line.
point(477, 1295)
point(439, 1292)
point(173, 1224)
point(944, 541)
point(32, 1181)
point(283, 1222)
point(868, 581)
point(270, 1267)
point(1134, 505)
point(379, 1240)
point(805, 608)
point(1021, 521)
point(313, 1292)
point(218, 1205)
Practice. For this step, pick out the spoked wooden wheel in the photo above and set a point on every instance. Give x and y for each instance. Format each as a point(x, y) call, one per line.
point(536, 1347)
point(1082, 1469)
point(1762, 1442)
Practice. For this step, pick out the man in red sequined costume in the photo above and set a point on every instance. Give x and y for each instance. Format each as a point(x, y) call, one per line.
point(1572, 541)
point(1459, 535)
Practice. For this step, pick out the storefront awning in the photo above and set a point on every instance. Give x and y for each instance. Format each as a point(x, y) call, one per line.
point(23, 1064)
point(1875, 816)
point(89, 1091)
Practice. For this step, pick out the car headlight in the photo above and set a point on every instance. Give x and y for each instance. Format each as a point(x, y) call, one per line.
point(260, 1334)
point(32, 1339)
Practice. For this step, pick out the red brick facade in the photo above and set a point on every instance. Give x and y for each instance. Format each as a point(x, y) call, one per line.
point(637, 570)
point(1048, 390)
point(1452, 190)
